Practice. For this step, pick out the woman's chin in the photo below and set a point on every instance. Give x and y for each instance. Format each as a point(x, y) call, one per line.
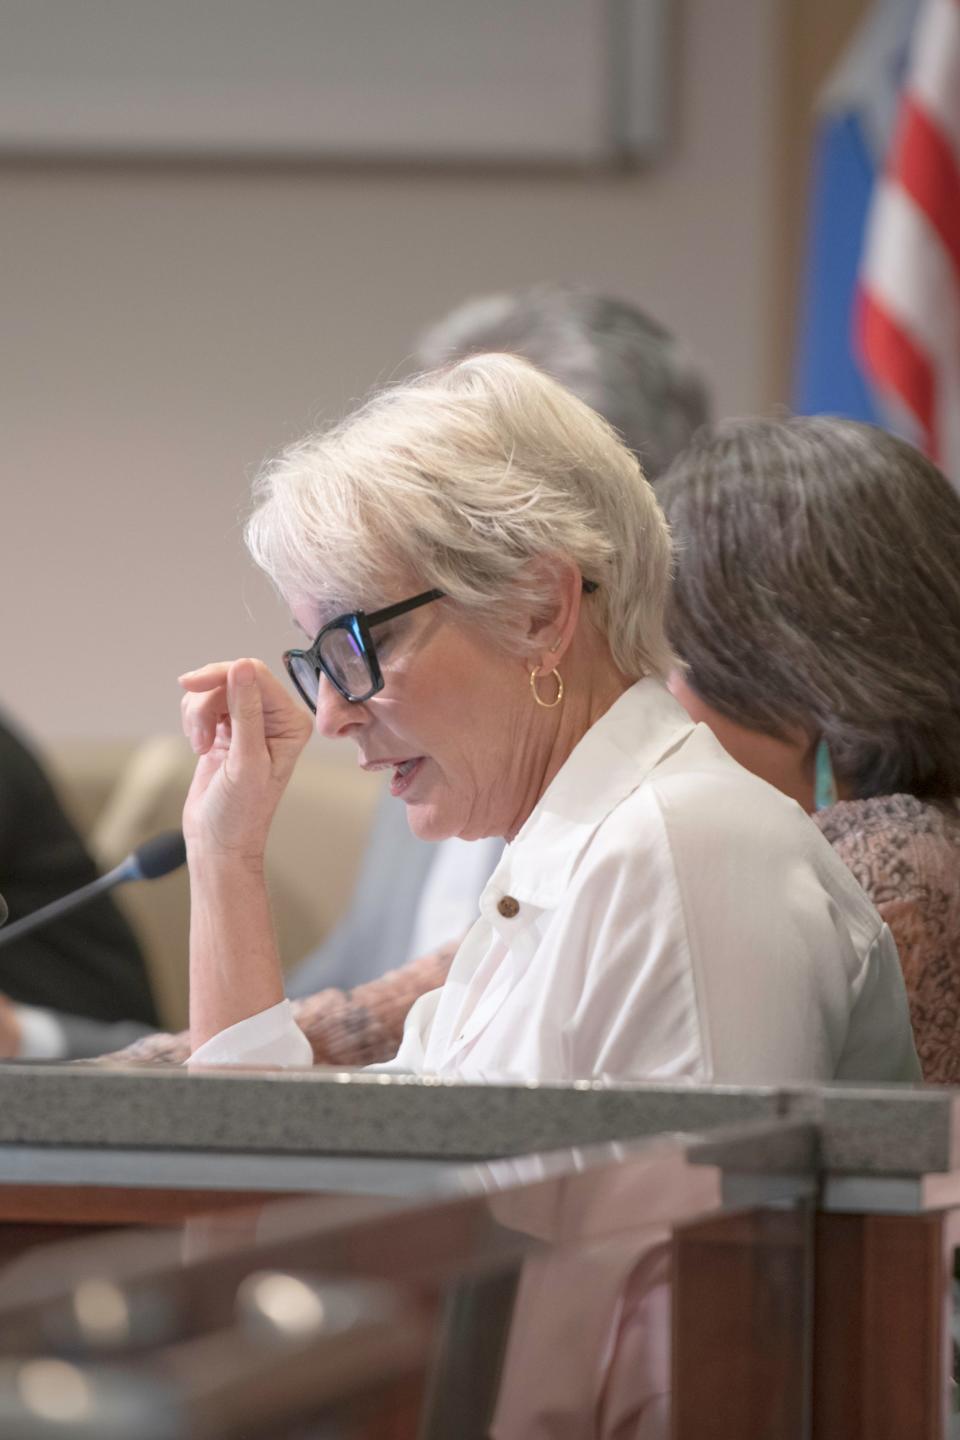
point(427, 822)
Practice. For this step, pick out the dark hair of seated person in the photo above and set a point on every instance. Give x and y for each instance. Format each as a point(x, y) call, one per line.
point(817, 593)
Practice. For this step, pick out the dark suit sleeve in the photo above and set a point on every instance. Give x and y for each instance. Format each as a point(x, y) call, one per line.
point(89, 963)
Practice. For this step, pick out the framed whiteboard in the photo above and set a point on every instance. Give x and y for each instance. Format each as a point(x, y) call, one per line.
point(556, 82)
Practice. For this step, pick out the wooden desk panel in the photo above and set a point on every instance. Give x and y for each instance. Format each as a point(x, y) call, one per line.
point(109, 1205)
point(880, 1359)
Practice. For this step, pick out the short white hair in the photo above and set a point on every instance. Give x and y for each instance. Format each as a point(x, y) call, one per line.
point(459, 480)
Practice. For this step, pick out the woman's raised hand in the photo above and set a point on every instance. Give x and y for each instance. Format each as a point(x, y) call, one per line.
point(248, 732)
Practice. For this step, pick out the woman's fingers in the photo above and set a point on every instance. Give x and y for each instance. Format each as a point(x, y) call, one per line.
point(247, 731)
point(247, 737)
point(232, 690)
point(211, 679)
point(208, 677)
point(200, 716)
point(205, 703)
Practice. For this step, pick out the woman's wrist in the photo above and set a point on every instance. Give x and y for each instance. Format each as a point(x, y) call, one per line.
point(234, 966)
point(210, 862)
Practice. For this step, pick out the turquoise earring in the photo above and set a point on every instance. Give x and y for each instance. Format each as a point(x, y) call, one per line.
point(825, 782)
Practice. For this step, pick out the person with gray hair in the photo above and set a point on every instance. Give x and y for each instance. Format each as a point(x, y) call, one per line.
point(614, 356)
point(816, 607)
point(481, 570)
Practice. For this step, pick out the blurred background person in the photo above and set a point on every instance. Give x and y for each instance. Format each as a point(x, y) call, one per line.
point(612, 355)
point(77, 985)
point(816, 605)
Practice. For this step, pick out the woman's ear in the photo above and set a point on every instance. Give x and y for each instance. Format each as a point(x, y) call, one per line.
point(553, 623)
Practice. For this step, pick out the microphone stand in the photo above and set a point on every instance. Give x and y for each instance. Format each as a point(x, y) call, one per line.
point(142, 864)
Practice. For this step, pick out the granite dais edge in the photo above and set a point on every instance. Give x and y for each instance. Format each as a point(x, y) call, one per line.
point(882, 1130)
point(890, 1130)
point(294, 1114)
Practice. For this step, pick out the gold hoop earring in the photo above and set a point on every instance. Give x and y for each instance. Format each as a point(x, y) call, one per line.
point(546, 704)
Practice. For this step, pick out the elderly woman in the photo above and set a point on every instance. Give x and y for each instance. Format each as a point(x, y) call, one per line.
point(481, 570)
point(817, 607)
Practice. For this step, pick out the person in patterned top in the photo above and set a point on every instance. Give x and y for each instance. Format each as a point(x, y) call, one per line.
point(816, 605)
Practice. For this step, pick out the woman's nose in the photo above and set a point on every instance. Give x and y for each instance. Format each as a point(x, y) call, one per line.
point(337, 717)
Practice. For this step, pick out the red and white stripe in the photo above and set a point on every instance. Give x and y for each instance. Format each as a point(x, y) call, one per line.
point(908, 312)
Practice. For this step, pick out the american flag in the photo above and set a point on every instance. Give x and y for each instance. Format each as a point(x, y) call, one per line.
point(908, 306)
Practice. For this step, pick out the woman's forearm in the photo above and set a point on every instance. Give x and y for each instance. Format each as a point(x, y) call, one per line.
point(234, 966)
point(247, 734)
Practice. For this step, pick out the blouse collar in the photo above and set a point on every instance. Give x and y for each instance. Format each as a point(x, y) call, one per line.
point(611, 760)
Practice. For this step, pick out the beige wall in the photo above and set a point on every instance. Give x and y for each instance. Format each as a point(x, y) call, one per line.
point(166, 329)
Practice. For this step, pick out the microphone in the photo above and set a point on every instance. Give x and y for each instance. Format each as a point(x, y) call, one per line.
point(155, 857)
point(4, 911)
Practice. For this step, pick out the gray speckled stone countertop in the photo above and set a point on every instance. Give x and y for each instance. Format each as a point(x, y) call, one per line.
point(887, 1130)
point(345, 1113)
point(899, 1130)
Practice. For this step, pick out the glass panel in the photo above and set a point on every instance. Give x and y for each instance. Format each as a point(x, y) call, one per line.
point(607, 1292)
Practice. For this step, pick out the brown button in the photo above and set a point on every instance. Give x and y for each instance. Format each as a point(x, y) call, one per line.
point(508, 907)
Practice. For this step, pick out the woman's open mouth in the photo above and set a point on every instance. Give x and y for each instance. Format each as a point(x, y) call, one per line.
point(404, 775)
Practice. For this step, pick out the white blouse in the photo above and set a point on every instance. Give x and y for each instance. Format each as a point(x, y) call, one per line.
point(662, 914)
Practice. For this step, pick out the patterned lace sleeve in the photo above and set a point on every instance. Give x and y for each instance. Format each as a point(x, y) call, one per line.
point(364, 1026)
point(907, 859)
point(345, 1027)
point(157, 1049)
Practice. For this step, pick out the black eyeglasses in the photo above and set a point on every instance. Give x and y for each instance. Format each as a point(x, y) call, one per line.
point(344, 651)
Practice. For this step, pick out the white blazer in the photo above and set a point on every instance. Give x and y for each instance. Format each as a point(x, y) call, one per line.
point(662, 914)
